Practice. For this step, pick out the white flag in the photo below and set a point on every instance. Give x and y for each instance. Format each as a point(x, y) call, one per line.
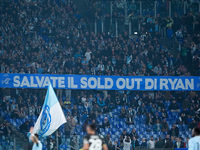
point(51, 116)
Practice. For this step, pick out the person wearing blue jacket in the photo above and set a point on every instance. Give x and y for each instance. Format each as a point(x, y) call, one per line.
point(101, 103)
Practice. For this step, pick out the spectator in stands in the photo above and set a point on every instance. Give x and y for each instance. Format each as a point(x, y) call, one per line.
point(106, 123)
point(168, 143)
point(197, 116)
point(116, 146)
point(159, 143)
point(13, 106)
point(15, 113)
point(101, 103)
point(110, 144)
point(170, 33)
point(109, 102)
point(174, 106)
point(117, 100)
point(22, 113)
point(121, 144)
point(138, 100)
point(124, 100)
point(86, 107)
point(78, 100)
point(97, 109)
point(127, 143)
point(31, 110)
point(94, 102)
point(187, 142)
point(75, 110)
point(84, 126)
point(151, 143)
point(92, 116)
point(124, 134)
point(123, 113)
point(178, 143)
point(2, 130)
point(157, 126)
point(83, 99)
point(133, 133)
point(97, 126)
point(76, 118)
point(67, 102)
point(73, 141)
point(165, 126)
point(68, 115)
point(131, 112)
point(149, 119)
point(37, 111)
point(143, 143)
point(4, 104)
point(164, 113)
point(135, 142)
point(161, 105)
point(108, 141)
point(7, 129)
point(24, 127)
point(153, 109)
point(67, 126)
point(129, 119)
point(192, 111)
point(174, 132)
point(142, 109)
point(84, 115)
point(156, 117)
point(185, 111)
point(71, 123)
point(193, 124)
point(106, 110)
point(157, 70)
point(189, 119)
point(28, 103)
point(182, 118)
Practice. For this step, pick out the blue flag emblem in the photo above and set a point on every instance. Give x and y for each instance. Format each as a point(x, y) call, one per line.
point(45, 121)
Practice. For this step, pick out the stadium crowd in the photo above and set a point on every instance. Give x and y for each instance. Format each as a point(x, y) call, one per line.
point(55, 39)
point(52, 37)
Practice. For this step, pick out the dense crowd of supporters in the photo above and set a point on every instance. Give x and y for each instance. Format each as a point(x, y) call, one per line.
point(87, 107)
point(52, 37)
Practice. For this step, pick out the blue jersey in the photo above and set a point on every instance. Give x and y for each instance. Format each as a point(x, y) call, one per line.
point(37, 147)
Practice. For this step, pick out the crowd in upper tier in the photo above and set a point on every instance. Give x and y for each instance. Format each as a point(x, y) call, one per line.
point(52, 37)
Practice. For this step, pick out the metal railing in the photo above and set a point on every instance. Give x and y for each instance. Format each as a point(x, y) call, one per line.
point(118, 17)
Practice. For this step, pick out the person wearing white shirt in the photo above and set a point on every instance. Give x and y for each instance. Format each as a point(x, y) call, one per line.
point(88, 55)
point(127, 143)
point(151, 143)
point(194, 143)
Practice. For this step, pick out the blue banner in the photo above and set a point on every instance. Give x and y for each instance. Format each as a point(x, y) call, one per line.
point(161, 83)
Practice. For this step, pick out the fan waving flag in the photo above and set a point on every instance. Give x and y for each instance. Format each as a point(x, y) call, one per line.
point(51, 116)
